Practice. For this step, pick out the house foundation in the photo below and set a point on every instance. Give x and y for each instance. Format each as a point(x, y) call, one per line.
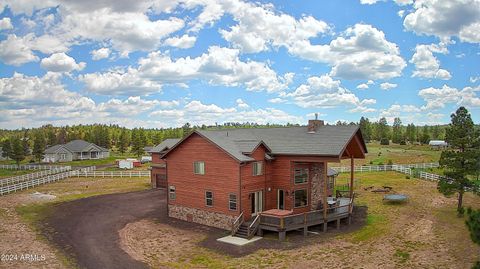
point(204, 217)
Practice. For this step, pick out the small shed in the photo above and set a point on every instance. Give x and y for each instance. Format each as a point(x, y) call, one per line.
point(438, 144)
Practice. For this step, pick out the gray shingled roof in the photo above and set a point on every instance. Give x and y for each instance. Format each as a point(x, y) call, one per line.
point(166, 144)
point(326, 141)
point(331, 172)
point(74, 146)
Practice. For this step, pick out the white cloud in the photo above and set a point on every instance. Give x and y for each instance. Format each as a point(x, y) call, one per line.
point(426, 64)
point(119, 82)
point(5, 24)
point(398, 2)
point(277, 100)
point(387, 86)
point(219, 66)
point(133, 105)
point(197, 113)
point(325, 92)
point(362, 86)
point(16, 50)
point(183, 42)
point(241, 104)
point(61, 62)
point(401, 13)
point(437, 98)
point(474, 79)
point(445, 19)
point(99, 54)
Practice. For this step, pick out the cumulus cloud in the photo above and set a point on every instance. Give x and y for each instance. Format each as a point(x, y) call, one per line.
point(183, 42)
point(99, 54)
point(61, 62)
point(5, 24)
point(426, 64)
point(362, 86)
point(16, 50)
point(437, 98)
point(198, 113)
point(387, 86)
point(219, 66)
point(325, 92)
point(445, 19)
point(241, 103)
point(277, 100)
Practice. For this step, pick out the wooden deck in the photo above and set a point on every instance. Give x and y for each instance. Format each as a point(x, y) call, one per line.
point(283, 224)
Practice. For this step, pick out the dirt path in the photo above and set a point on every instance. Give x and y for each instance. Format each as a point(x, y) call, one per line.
point(87, 229)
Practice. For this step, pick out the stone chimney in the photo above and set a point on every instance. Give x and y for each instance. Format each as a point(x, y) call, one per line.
point(314, 124)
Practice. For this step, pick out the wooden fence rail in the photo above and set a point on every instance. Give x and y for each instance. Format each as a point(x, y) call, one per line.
point(26, 177)
point(121, 174)
point(30, 167)
point(383, 168)
point(39, 181)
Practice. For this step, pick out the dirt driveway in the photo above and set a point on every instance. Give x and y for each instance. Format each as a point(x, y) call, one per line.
point(87, 229)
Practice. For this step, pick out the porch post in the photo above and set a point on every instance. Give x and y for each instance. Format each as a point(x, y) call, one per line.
point(352, 168)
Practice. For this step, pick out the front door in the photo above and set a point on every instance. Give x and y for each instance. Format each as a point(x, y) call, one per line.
point(281, 199)
point(256, 202)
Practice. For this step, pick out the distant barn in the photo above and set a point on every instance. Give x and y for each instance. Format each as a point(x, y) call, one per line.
point(438, 144)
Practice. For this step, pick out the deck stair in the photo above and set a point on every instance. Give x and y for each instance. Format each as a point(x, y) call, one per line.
point(242, 230)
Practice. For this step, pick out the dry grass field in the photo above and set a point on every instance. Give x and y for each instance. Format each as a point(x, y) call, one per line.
point(423, 233)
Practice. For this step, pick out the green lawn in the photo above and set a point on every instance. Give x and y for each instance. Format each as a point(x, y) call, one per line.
point(4, 173)
point(379, 154)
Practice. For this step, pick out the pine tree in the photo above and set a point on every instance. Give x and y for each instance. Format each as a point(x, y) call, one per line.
point(6, 148)
point(17, 153)
point(138, 138)
point(425, 138)
point(38, 146)
point(473, 224)
point(382, 130)
point(25, 145)
point(411, 133)
point(122, 141)
point(62, 136)
point(366, 128)
point(461, 161)
point(397, 131)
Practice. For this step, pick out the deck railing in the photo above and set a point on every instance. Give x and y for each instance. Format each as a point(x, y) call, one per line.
point(310, 218)
point(253, 227)
point(236, 223)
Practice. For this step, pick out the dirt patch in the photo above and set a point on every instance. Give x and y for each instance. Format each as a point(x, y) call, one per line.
point(138, 239)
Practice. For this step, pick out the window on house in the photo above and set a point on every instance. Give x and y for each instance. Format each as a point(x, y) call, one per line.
point(209, 198)
point(232, 202)
point(301, 199)
point(257, 168)
point(199, 168)
point(301, 175)
point(171, 193)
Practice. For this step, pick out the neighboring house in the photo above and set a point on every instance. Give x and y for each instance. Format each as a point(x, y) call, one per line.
point(438, 144)
point(222, 177)
point(147, 149)
point(158, 167)
point(75, 150)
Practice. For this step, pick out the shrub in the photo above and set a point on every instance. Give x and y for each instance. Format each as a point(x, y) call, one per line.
point(389, 162)
point(407, 177)
point(403, 143)
point(384, 141)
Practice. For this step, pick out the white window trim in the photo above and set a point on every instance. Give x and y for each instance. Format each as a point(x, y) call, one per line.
point(254, 164)
point(170, 192)
point(199, 162)
point(230, 200)
point(206, 204)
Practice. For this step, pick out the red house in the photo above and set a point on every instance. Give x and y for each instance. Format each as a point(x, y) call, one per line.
point(158, 168)
point(250, 180)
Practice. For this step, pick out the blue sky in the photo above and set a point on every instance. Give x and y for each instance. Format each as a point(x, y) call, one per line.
point(164, 63)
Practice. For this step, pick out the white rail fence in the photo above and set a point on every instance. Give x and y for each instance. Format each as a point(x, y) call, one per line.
point(26, 177)
point(39, 181)
point(429, 176)
point(120, 174)
point(30, 167)
point(383, 168)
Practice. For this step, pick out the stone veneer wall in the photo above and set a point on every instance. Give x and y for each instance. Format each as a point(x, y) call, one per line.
point(208, 218)
point(318, 182)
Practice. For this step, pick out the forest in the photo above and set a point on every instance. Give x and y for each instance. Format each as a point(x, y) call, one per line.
point(33, 141)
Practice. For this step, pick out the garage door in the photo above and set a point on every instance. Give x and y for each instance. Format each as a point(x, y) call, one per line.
point(161, 181)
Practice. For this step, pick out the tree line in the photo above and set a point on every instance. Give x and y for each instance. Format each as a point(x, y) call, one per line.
point(399, 133)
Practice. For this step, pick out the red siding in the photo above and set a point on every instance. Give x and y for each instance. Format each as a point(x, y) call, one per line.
point(156, 158)
point(251, 183)
point(221, 175)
